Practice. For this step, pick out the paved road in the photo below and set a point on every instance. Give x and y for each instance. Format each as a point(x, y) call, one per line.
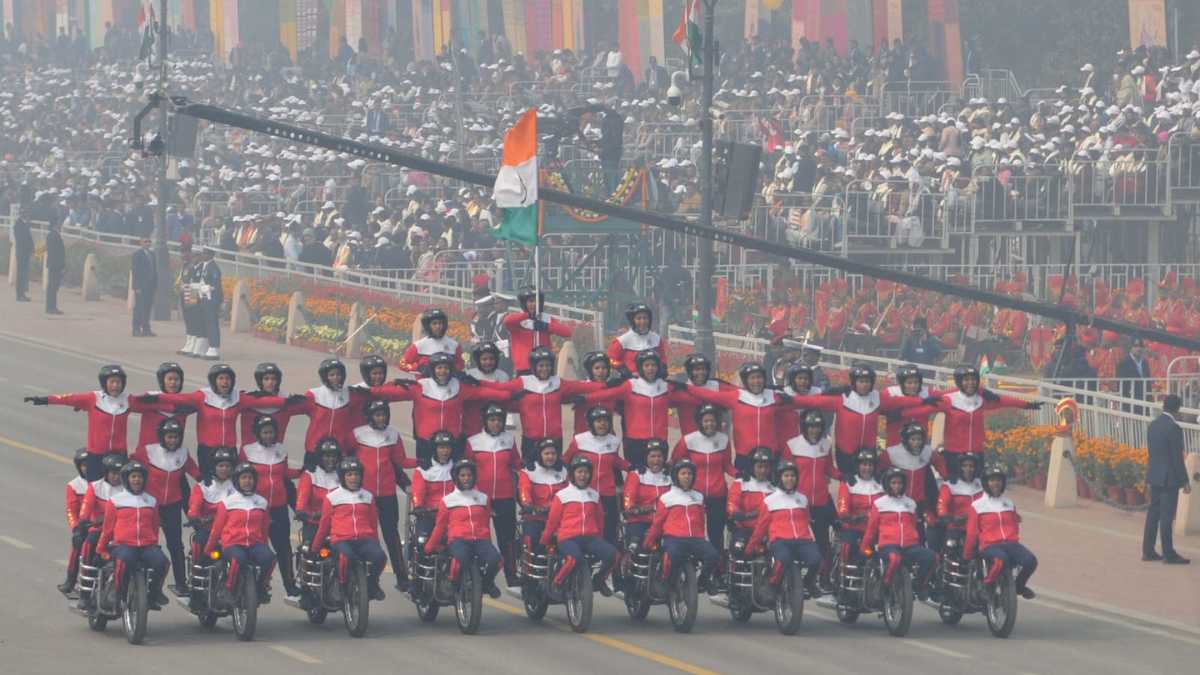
point(39, 635)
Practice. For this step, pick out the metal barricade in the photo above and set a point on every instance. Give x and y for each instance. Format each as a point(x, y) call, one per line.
point(1133, 180)
point(826, 113)
point(1002, 196)
point(914, 99)
point(1183, 157)
point(889, 219)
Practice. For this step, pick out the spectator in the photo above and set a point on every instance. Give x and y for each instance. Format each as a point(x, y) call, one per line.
point(1133, 371)
point(145, 281)
point(919, 346)
point(23, 242)
point(56, 261)
point(1166, 474)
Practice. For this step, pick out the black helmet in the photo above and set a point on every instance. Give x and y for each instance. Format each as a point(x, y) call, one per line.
point(795, 369)
point(370, 363)
point(224, 454)
point(912, 429)
point(684, 463)
point(221, 369)
point(441, 438)
point(263, 421)
point(546, 443)
point(748, 369)
point(348, 465)
point(327, 446)
point(693, 361)
point(637, 308)
point(464, 464)
point(164, 368)
point(375, 406)
point(264, 369)
point(994, 469)
point(811, 419)
point(112, 370)
point(657, 445)
point(429, 316)
point(441, 359)
point(484, 348)
point(131, 468)
point(529, 292)
point(647, 355)
point(329, 365)
point(909, 370)
point(538, 354)
point(113, 462)
point(861, 371)
point(592, 358)
point(493, 410)
point(866, 455)
point(785, 466)
point(80, 459)
point(244, 468)
point(894, 472)
point(167, 426)
point(706, 409)
point(962, 371)
point(598, 413)
point(580, 462)
point(761, 454)
point(970, 457)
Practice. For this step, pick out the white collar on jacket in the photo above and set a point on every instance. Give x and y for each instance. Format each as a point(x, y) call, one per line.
point(540, 475)
point(756, 485)
point(572, 494)
point(697, 442)
point(890, 504)
point(653, 389)
point(527, 323)
point(258, 453)
point(437, 473)
point(78, 485)
point(496, 375)
point(782, 501)
point(485, 442)
point(961, 488)
point(328, 398)
point(105, 490)
point(113, 405)
point(237, 500)
point(800, 447)
point(460, 498)
point(125, 499)
point(429, 345)
point(814, 390)
point(634, 342)
point(990, 504)
point(895, 390)
point(961, 401)
point(863, 405)
point(215, 400)
point(899, 456)
point(167, 460)
point(216, 490)
point(598, 445)
point(656, 479)
point(326, 480)
point(677, 496)
point(761, 400)
point(533, 385)
point(340, 495)
point(439, 392)
point(376, 438)
point(866, 487)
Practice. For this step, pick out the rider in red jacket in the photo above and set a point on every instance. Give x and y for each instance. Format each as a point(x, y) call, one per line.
point(647, 400)
point(434, 323)
point(131, 527)
point(378, 446)
point(697, 371)
point(537, 485)
point(913, 455)
point(642, 490)
point(678, 523)
point(601, 446)
point(574, 522)
point(497, 461)
point(240, 530)
point(170, 381)
point(708, 449)
point(799, 379)
point(312, 487)
point(76, 489)
point(269, 379)
point(892, 525)
point(348, 519)
point(994, 531)
point(531, 328)
point(783, 522)
point(910, 381)
point(812, 453)
point(597, 369)
point(855, 500)
point(746, 494)
point(623, 350)
point(333, 409)
point(167, 462)
point(485, 367)
point(432, 481)
point(954, 501)
point(463, 518)
point(268, 458)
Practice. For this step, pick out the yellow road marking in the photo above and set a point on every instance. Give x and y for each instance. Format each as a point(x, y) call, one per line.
point(37, 451)
point(295, 654)
point(612, 643)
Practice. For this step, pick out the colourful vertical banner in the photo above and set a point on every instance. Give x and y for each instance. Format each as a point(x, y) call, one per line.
point(447, 27)
point(337, 26)
point(1147, 23)
point(353, 22)
point(627, 34)
point(750, 19)
point(422, 38)
point(568, 24)
point(895, 20)
point(639, 68)
point(799, 14)
point(514, 24)
point(373, 21)
point(229, 14)
point(858, 23)
point(288, 35)
point(833, 24)
point(879, 22)
point(658, 37)
point(953, 43)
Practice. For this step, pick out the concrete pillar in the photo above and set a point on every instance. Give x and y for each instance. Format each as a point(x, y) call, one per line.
point(90, 288)
point(1187, 516)
point(12, 261)
point(295, 318)
point(239, 313)
point(355, 337)
point(1060, 482)
point(417, 331)
point(129, 297)
point(568, 366)
point(45, 274)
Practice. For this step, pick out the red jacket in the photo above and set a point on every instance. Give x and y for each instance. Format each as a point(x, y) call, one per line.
point(537, 486)
point(381, 452)
point(497, 462)
point(129, 520)
point(990, 521)
point(784, 516)
point(955, 499)
point(330, 413)
point(522, 338)
point(461, 515)
point(347, 516)
point(624, 348)
point(217, 416)
point(163, 471)
point(678, 513)
point(685, 406)
point(965, 427)
point(541, 405)
point(857, 423)
point(418, 353)
point(892, 521)
point(789, 421)
point(921, 414)
point(914, 465)
point(95, 500)
point(242, 520)
point(814, 468)
point(270, 463)
point(437, 407)
point(473, 409)
point(746, 496)
point(312, 488)
point(710, 454)
point(856, 500)
point(281, 415)
point(148, 422)
point(647, 405)
point(642, 489)
point(754, 417)
point(77, 487)
point(202, 503)
point(431, 484)
point(604, 451)
point(108, 419)
point(573, 513)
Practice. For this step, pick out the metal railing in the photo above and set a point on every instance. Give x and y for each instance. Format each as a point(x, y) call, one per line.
point(1001, 196)
point(1183, 159)
point(893, 219)
point(1130, 178)
point(826, 113)
point(914, 99)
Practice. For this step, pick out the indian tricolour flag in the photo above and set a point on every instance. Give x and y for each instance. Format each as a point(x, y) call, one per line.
point(516, 189)
point(687, 35)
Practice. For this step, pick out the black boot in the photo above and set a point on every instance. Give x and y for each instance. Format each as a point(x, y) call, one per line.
point(600, 584)
point(264, 592)
point(374, 590)
point(157, 599)
point(1026, 592)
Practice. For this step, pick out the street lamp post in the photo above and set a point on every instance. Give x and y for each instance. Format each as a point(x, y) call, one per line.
point(704, 276)
point(162, 257)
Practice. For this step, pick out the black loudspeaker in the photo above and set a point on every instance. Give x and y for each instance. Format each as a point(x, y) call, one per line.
point(181, 135)
point(735, 178)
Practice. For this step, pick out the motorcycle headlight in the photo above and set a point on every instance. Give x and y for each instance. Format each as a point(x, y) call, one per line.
point(421, 540)
point(324, 552)
point(215, 555)
point(951, 543)
point(739, 545)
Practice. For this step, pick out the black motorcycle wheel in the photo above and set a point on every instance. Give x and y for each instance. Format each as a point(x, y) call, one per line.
point(137, 608)
point(949, 615)
point(1001, 609)
point(637, 603)
point(316, 615)
point(356, 604)
point(468, 601)
point(789, 602)
point(682, 599)
point(97, 621)
point(535, 601)
point(245, 605)
point(579, 598)
point(846, 615)
point(739, 613)
point(898, 603)
point(426, 610)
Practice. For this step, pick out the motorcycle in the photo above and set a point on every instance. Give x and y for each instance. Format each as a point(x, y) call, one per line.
point(438, 581)
point(960, 589)
point(861, 585)
point(211, 599)
point(646, 584)
point(537, 571)
point(132, 606)
point(322, 592)
point(748, 580)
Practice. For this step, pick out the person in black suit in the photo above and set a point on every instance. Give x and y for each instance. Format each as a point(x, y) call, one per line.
point(56, 262)
point(1165, 475)
point(656, 77)
point(145, 281)
point(1132, 371)
point(210, 274)
point(23, 241)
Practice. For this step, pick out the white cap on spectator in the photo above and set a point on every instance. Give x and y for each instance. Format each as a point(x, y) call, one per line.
point(953, 161)
point(327, 205)
point(1087, 68)
point(1138, 70)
